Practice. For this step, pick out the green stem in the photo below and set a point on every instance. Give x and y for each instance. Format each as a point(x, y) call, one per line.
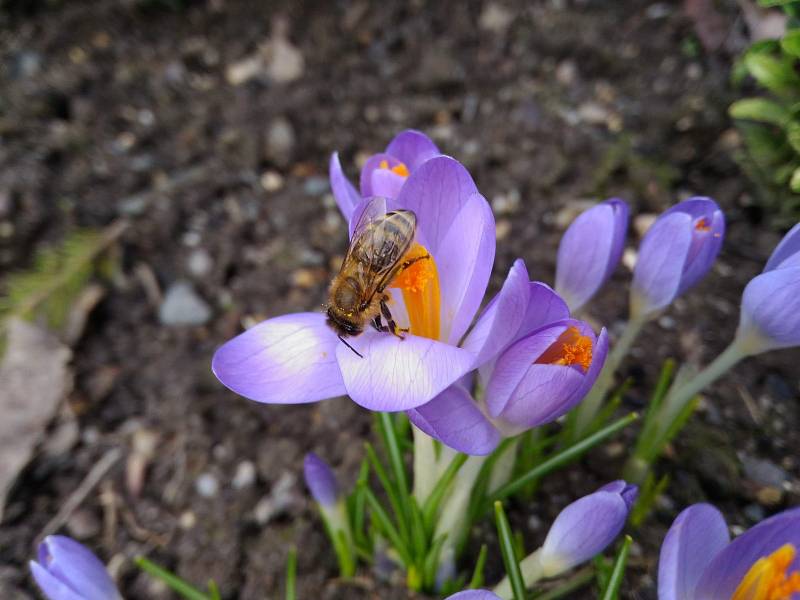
point(592, 403)
point(677, 399)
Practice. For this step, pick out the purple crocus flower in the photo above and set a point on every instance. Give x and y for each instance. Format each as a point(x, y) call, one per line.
point(297, 358)
point(586, 527)
point(676, 253)
point(590, 251)
point(67, 570)
point(474, 595)
point(770, 313)
point(534, 364)
point(383, 174)
point(698, 562)
point(320, 480)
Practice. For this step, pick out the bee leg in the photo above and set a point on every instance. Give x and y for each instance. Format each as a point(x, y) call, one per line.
point(387, 314)
point(378, 324)
point(411, 261)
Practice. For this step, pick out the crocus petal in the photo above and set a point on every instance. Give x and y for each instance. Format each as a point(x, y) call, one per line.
point(412, 148)
point(512, 366)
point(787, 253)
point(599, 353)
point(590, 250)
point(628, 491)
point(75, 565)
point(723, 575)
point(501, 320)
point(52, 587)
point(697, 535)
point(582, 530)
point(372, 180)
point(344, 193)
point(474, 595)
point(286, 360)
point(544, 307)
point(320, 480)
point(770, 313)
point(454, 419)
point(398, 374)
point(703, 251)
point(659, 266)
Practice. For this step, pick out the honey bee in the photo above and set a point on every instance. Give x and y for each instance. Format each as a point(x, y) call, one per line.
point(357, 295)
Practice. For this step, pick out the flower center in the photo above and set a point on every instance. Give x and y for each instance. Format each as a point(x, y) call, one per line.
point(767, 579)
point(571, 348)
point(399, 169)
point(702, 224)
point(419, 282)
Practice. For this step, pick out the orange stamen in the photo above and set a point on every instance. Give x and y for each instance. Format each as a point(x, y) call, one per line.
point(571, 348)
point(419, 283)
point(399, 169)
point(702, 225)
point(767, 579)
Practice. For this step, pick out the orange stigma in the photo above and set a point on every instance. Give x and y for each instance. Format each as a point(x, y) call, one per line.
point(419, 283)
point(767, 579)
point(571, 348)
point(399, 169)
point(702, 225)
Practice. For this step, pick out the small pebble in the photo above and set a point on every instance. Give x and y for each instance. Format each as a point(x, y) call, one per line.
point(271, 181)
point(199, 263)
point(245, 475)
point(187, 520)
point(207, 485)
point(182, 306)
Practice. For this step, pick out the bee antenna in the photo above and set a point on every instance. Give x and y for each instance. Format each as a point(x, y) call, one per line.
point(344, 341)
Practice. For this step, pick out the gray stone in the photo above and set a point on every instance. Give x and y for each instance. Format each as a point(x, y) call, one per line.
point(182, 306)
point(763, 472)
point(279, 141)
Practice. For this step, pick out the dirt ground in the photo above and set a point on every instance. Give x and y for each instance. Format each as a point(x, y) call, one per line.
point(201, 124)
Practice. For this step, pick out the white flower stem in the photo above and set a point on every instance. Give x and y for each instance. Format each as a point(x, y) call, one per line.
point(531, 567)
point(426, 472)
point(504, 466)
point(593, 402)
point(453, 515)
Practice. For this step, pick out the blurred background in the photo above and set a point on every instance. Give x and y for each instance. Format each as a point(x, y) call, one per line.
point(163, 184)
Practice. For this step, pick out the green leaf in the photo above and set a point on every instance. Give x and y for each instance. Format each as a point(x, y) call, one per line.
point(648, 495)
point(761, 110)
point(563, 457)
point(291, 574)
point(612, 589)
point(181, 587)
point(509, 554)
point(770, 3)
point(387, 527)
point(790, 43)
point(775, 74)
point(476, 581)
point(213, 590)
point(794, 182)
point(431, 507)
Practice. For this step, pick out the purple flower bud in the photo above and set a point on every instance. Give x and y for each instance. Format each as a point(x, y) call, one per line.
point(474, 595)
point(585, 527)
point(67, 570)
point(545, 374)
point(677, 251)
point(320, 480)
point(770, 313)
point(590, 250)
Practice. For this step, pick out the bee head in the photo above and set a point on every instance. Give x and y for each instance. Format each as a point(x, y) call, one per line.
point(342, 325)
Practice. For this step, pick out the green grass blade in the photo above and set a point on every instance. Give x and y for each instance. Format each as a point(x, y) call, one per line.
point(391, 491)
point(431, 507)
point(386, 526)
point(476, 581)
point(181, 587)
point(563, 457)
point(291, 574)
point(612, 589)
point(509, 553)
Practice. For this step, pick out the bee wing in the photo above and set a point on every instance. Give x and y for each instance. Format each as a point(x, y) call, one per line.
point(373, 210)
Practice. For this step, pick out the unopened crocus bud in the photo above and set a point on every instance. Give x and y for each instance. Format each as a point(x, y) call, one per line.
point(676, 252)
point(770, 313)
point(67, 570)
point(590, 251)
point(586, 527)
point(474, 595)
point(320, 480)
point(545, 374)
